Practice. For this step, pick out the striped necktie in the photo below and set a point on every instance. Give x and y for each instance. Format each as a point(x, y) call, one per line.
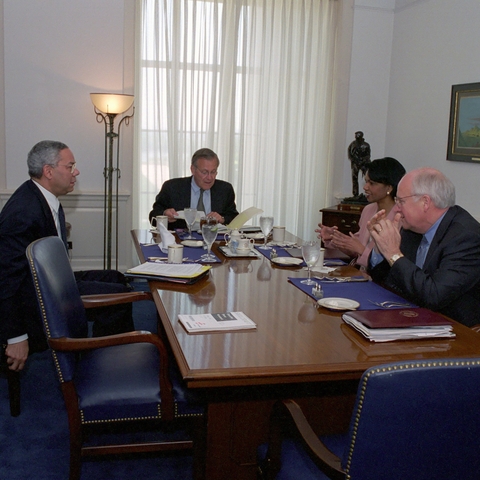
point(200, 205)
point(422, 252)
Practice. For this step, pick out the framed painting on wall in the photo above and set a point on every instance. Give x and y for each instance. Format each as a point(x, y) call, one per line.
point(464, 131)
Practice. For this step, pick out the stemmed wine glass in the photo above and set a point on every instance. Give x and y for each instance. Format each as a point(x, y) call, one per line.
point(266, 225)
point(209, 232)
point(190, 217)
point(310, 253)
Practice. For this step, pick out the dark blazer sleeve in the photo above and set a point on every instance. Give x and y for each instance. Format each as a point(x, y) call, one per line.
point(24, 218)
point(449, 281)
point(175, 193)
point(223, 200)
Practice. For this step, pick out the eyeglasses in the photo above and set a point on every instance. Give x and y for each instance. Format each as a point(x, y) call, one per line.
point(70, 166)
point(400, 201)
point(206, 173)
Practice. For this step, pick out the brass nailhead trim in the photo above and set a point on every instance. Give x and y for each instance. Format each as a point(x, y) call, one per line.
point(374, 371)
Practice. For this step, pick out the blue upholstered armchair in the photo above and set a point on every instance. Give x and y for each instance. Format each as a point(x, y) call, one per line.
point(416, 420)
point(120, 384)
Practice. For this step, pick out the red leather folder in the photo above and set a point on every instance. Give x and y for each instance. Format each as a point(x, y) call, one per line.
point(399, 318)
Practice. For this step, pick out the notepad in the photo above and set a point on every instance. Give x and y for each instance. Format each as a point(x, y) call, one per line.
point(172, 272)
point(216, 322)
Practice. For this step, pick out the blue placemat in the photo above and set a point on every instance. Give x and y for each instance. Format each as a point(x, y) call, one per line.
point(182, 234)
point(334, 262)
point(361, 292)
point(281, 252)
point(193, 254)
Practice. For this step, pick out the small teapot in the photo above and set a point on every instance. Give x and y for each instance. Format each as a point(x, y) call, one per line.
point(232, 239)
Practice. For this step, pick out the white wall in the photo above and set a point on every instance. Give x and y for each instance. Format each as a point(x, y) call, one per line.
point(369, 81)
point(57, 52)
point(435, 46)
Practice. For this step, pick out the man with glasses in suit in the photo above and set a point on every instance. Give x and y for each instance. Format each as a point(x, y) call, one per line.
point(33, 212)
point(201, 190)
point(430, 252)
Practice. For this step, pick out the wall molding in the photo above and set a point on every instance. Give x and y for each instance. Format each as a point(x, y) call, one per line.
point(84, 211)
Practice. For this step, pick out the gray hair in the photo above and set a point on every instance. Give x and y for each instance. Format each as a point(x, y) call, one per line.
point(436, 185)
point(204, 153)
point(43, 153)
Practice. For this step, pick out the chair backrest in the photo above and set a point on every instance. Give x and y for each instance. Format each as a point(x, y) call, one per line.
point(417, 420)
point(61, 307)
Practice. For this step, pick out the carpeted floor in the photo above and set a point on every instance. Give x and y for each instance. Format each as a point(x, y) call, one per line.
point(35, 445)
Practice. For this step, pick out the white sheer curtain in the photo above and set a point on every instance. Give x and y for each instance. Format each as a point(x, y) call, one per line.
point(251, 79)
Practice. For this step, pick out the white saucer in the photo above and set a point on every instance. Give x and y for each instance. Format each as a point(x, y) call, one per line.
point(335, 303)
point(192, 243)
point(287, 261)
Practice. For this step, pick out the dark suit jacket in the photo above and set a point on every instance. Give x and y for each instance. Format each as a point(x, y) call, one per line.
point(175, 193)
point(24, 218)
point(449, 281)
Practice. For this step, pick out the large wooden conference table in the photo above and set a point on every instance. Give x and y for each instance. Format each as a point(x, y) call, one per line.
point(297, 351)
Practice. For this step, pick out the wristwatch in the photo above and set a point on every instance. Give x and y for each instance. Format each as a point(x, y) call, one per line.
point(394, 258)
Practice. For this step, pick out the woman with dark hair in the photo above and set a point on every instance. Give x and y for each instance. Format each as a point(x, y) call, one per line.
point(380, 188)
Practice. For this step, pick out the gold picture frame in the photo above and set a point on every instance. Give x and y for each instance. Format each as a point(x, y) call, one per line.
point(464, 128)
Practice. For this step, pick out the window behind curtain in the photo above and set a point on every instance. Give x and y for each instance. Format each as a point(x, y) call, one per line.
point(252, 80)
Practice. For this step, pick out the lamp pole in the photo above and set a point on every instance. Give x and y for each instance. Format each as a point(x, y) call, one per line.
point(106, 113)
point(108, 172)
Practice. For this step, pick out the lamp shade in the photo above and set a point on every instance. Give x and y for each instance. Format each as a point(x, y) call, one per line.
point(113, 103)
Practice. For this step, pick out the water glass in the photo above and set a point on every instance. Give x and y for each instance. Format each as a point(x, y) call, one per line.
point(190, 217)
point(310, 253)
point(209, 232)
point(266, 225)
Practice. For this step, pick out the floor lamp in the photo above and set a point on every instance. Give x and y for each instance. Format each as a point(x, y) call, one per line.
point(107, 106)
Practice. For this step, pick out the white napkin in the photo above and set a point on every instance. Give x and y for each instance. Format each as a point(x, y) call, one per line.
point(167, 238)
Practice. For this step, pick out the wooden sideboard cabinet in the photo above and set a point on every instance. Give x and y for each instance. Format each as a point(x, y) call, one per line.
point(345, 218)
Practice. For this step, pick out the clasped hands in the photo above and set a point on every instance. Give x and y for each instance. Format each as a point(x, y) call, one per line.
point(346, 243)
point(385, 233)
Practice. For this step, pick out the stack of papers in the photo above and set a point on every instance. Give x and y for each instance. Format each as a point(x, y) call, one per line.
point(399, 324)
point(216, 322)
point(172, 272)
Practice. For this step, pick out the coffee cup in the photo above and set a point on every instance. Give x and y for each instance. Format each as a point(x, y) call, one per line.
point(158, 220)
point(175, 253)
point(278, 234)
point(245, 244)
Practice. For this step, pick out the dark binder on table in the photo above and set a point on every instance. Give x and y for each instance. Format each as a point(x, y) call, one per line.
point(399, 318)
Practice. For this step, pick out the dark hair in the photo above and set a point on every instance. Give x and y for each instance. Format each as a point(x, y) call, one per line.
point(204, 153)
point(387, 171)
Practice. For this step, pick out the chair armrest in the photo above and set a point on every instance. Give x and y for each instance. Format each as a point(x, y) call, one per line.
point(67, 344)
point(105, 300)
point(288, 412)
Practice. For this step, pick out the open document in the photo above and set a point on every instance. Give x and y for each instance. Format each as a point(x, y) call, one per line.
point(242, 218)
